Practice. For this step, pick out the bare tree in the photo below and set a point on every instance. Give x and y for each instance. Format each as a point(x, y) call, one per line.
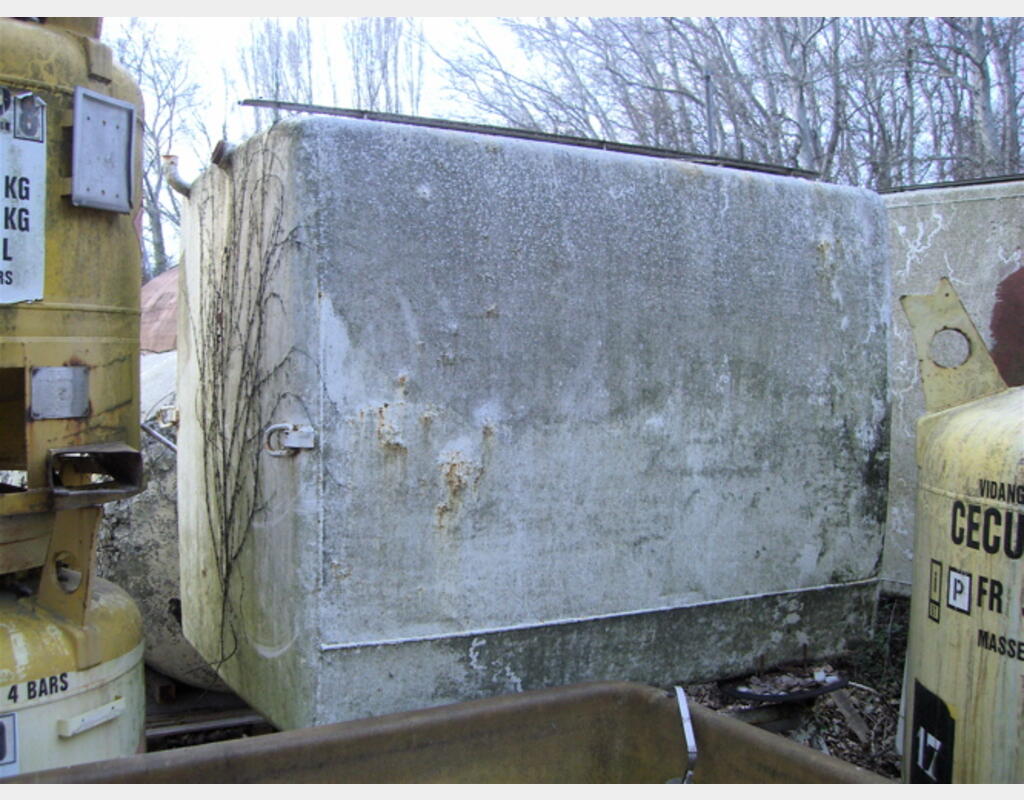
point(386, 54)
point(1007, 41)
point(869, 101)
point(976, 63)
point(277, 64)
point(171, 99)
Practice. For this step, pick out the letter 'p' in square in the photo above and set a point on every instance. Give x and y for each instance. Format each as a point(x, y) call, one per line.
point(958, 591)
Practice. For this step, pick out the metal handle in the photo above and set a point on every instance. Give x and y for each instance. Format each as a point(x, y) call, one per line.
point(285, 440)
point(80, 723)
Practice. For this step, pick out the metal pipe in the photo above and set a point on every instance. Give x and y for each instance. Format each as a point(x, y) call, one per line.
point(159, 437)
point(538, 136)
point(170, 170)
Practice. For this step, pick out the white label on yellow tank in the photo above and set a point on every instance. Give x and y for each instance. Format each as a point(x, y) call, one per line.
point(37, 689)
point(8, 745)
point(22, 196)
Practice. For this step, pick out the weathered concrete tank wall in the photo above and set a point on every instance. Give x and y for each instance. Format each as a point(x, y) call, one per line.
point(578, 415)
point(974, 235)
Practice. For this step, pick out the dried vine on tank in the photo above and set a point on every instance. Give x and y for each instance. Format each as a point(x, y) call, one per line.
point(230, 333)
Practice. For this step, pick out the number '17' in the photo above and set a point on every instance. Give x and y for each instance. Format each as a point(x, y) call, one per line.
point(925, 741)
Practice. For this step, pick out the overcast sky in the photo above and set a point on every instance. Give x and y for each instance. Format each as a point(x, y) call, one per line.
point(215, 44)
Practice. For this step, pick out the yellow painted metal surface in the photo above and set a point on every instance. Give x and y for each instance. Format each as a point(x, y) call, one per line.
point(89, 315)
point(52, 713)
point(44, 646)
point(71, 686)
point(964, 691)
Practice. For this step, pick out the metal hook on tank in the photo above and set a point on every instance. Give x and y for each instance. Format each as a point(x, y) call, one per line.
point(286, 439)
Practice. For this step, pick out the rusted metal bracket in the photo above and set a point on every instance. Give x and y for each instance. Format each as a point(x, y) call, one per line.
point(93, 474)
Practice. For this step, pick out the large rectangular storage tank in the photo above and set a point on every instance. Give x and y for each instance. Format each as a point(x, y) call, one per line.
point(578, 415)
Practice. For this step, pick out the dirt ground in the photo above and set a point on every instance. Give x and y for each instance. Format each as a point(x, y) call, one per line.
point(856, 722)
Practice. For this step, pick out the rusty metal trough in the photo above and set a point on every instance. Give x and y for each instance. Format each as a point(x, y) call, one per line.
point(588, 733)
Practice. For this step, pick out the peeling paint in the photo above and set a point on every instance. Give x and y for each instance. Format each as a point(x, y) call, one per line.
point(474, 653)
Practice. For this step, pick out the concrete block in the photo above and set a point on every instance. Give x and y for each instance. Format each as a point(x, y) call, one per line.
point(566, 403)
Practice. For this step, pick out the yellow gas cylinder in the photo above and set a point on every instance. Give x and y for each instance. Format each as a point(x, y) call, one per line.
point(964, 684)
point(71, 686)
point(51, 712)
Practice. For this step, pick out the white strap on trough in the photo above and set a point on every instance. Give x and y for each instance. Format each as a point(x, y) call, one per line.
point(688, 737)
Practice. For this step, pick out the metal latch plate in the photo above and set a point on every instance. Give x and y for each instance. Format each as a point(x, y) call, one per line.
point(284, 439)
point(60, 392)
point(300, 438)
point(101, 154)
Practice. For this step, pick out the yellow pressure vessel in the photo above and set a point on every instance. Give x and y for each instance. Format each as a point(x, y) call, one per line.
point(964, 685)
point(71, 686)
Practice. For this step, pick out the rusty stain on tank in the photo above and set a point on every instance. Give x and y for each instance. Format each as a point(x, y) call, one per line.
point(454, 478)
point(388, 434)
point(458, 473)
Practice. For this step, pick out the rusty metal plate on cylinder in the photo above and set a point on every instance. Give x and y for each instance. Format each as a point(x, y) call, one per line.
point(101, 168)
